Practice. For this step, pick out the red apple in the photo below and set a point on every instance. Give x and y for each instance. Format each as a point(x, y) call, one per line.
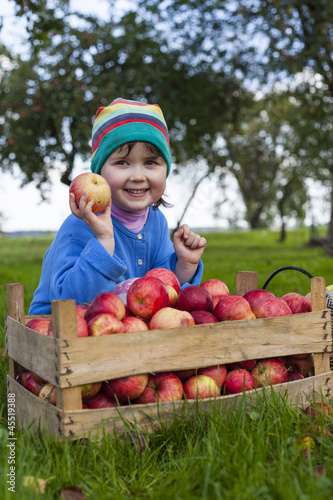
point(30, 384)
point(271, 307)
point(125, 389)
point(38, 379)
point(256, 294)
point(247, 364)
point(200, 387)
point(185, 374)
point(134, 324)
point(217, 299)
point(297, 302)
point(105, 324)
point(146, 296)
point(81, 325)
point(40, 325)
point(238, 381)
point(168, 317)
point(48, 393)
point(101, 400)
point(194, 298)
point(216, 372)
point(292, 375)
point(167, 276)
point(81, 309)
point(96, 188)
point(88, 391)
point(233, 307)
point(105, 302)
point(269, 372)
point(215, 287)
point(164, 386)
point(173, 296)
point(121, 289)
point(304, 366)
point(201, 317)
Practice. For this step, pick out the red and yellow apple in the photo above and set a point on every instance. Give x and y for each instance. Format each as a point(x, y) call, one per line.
point(146, 296)
point(233, 307)
point(105, 302)
point(200, 387)
point(95, 186)
point(270, 372)
point(168, 277)
point(161, 387)
point(134, 324)
point(105, 324)
point(215, 287)
point(168, 317)
point(125, 389)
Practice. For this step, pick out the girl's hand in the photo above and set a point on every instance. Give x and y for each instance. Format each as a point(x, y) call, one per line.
point(101, 224)
point(189, 247)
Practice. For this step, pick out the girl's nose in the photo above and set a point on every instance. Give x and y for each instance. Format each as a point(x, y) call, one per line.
point(137, 173)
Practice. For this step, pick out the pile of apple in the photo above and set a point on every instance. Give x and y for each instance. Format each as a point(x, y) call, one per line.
point(156, 301)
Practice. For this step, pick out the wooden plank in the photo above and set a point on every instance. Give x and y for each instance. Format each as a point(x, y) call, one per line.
point(32, 411)
point(318, 300)
point(93, 359)
point(246, 281)
point(15, 309)
point(78, 424)
point(34, 351)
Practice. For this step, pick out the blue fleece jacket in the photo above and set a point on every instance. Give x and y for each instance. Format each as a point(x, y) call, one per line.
point(77, 266)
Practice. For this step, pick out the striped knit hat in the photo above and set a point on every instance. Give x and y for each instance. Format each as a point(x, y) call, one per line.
point(126, 121)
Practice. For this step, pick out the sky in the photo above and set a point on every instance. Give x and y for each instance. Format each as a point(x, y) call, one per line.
point(23, 210)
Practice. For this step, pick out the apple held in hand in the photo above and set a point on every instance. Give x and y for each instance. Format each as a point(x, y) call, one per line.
point(297, 302)
point(201, 387)
point(215, 287)
point(233, 308)
point(270, 372)
point(125, 389)
point(271, 307)
point(146, 296)
point(256, 294)
point(194, 298)
point(238, 381)
point(96, 188)
point(105, 302)
point(168, 317)
point(161, 387)
point(166, 275)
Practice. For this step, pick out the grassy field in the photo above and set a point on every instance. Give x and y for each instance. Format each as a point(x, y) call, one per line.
point(252, 452)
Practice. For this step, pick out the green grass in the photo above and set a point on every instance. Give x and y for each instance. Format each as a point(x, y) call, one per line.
point(251, 452)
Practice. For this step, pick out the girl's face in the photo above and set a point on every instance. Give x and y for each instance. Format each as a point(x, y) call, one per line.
point(137, 177)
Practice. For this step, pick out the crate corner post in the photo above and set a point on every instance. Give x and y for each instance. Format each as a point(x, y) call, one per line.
point(318, 300)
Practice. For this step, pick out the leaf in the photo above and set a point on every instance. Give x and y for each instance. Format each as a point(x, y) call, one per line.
point(36, 484)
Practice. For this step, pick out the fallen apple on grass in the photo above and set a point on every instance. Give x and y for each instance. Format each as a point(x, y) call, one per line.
point(233, 308)
point(95, 186)
point(105, 302)
point(269, 372)
point(168, 317)
point(239, 380)
point(215, 287)
point(161, 387)
point(146, 296)
point(125, 389)
point(194, 298)
point(200, 387)
point(271, 307)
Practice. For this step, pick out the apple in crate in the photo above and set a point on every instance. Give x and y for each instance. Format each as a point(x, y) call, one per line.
point(271, 307)
point(216, 372)
point(297, 302)
point(105, 302)
point(215, 287)
point(101, 400)
point(185, 374)
point(166, 275)
point(81, 309)
point(161, 387)
point(292, 375)
point(30, 383)
point(238, 381)
point(48, 393)
point(40, 325)
point(270, 372)
point(95, 186)
point(81, 325)
point(105, 324)
point(256, 294)
point(173, 296)
point(134, 324)
point(202, 317)
point(168, 317)
point(233, 307)
point(194, 298)
point(200, 387)
point(88, 391)
point(302, 365)
point(247, 364)
point(146, 296)
point(125, 389)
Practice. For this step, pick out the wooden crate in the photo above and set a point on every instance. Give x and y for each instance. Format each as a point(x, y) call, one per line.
point(68, 361)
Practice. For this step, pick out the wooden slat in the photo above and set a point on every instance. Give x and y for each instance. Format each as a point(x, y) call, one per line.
point(246, 281)
point(32, 411)
point(318, 300)
point(145, 417)
point(15, 309)
point(34, 351)
point(93, 359)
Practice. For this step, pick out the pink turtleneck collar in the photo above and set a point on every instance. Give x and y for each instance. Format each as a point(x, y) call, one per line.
point(134, 221)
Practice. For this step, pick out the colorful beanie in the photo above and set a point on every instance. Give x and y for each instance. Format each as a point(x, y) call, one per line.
point(126, 121)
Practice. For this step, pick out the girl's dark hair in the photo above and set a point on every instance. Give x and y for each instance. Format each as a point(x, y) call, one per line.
point(151, 148)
